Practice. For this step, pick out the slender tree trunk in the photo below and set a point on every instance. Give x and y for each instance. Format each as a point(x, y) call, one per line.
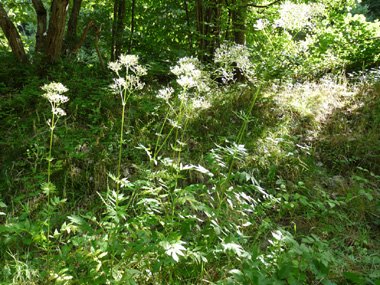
point(71, 34)
point(239, 19)
point(132, 25)
point(115, 7)
point(188, 25)
point(56, 29)
point(239, 16)
point(229, 20)
point(41, 25)
point(119, 28)
point(12, 35)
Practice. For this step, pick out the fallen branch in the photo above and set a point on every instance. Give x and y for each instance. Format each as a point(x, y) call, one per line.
point(97, 35)
point(83, 37)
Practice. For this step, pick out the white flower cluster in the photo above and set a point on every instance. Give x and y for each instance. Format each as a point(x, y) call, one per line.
point(56, 87)
point(233, 56)
point(133, 73)
point(59, 112)
point(201, 103)
point(189, 73)
point(297, 16)
point(53, 94)
point(261, 24)
point(165, 93)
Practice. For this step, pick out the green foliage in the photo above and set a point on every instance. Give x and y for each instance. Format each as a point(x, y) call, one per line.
point(272, 180)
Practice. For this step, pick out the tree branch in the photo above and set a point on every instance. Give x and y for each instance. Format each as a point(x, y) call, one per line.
point(263, 6)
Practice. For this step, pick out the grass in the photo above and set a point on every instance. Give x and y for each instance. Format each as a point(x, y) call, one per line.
point(301, 203)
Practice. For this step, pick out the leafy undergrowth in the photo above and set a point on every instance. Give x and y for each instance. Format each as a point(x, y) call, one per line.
point(291, 199)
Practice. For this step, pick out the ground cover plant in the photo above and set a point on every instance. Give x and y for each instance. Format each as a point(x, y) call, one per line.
point(223, 163)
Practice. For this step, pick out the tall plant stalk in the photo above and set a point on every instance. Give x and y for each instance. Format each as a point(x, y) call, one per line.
point(125, 86)
point(54, 95)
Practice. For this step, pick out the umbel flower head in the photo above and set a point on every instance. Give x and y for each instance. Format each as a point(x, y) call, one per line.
point(189, 73)
point(165, 93)
point(53, 93)
point(229, 56)
point(133, 71)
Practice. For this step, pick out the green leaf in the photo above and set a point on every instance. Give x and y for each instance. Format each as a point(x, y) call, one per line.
point(369, 196)
point(238, 275)
point(156, 267)
point(356, 278)
point(321, 267)
point(284, 271)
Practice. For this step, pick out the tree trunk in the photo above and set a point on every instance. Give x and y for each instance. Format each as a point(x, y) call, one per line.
point(239, 19)
point(56, 30)
point(188, 25)
point(41, 25)
point(132, 25)
point(208, 26)
point(239, 16)
point(12, 35)
point(71, 34)
point(119, 28)
point(115, 9)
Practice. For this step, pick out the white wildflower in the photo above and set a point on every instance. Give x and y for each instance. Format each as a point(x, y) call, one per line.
point(186, 81)
point(189, 74)
point(261, 24)
point(129, 60)
point(297, 16)
point(115, 66)
point(165, 93)
point(54, 87)
point(139, 70)
point(59, 112)
point(234, 56)
point(131, 80)
point(201, 103)
point(119, 83)
point(55, 98)
point(53, 94)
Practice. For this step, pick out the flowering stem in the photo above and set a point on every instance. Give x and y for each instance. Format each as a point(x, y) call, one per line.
point(158, 138)
point(121, 144)
point(171, 130)
point(48, 196)
point(51, 144)
point(179, 118)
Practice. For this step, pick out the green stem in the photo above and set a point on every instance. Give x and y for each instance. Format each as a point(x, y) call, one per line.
point(240, 136)
point(171, 130)
point(120, 151)
point(52, 125)
point(158, 139)
point(50, 147)
point(121, 144)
